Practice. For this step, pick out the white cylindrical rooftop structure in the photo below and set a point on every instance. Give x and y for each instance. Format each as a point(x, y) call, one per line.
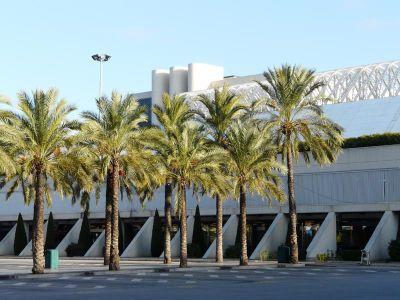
point(178, 80)
point(200, 76)
point(160, 85)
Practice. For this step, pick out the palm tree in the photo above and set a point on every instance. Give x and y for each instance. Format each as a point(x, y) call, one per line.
point(172, 116)
point(296, 118)
point(254, 170)
point(114, 135)
point(221, 110)
point(192, 163)
point(39, 138)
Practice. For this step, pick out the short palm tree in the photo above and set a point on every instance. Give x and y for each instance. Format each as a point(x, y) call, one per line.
point(221, 109)
point(172, 116)
point(114, 135)
point(296, 118)
point(39, 138)
point(254, 169)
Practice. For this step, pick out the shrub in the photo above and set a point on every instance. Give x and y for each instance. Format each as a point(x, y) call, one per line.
point(51, 234)
point(351, 254)
point(194, 251)
point(394, 250)
point(157, 246)
point(73, 249)
point(20, 240)
point(322, 257)
point(381, 139)
point(85, 238)
point(233, 251)
point(264, 255)
point(198, 234)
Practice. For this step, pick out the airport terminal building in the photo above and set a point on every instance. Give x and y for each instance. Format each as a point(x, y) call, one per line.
point(346, 207)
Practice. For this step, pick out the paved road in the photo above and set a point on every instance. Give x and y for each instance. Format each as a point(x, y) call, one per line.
point(261, 283)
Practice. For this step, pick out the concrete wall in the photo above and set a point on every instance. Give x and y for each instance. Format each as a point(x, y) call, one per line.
point(28, 249)
point(160, 85)
point(71, 237)
point(385, 231)
point(363, 179)
point(178, 80)
point(175, 242)
point(325, 239)
point(7, 243)
point(229, 232)
point(140, 246)
point(273, 238)
point(202, 75)
point(96, 250)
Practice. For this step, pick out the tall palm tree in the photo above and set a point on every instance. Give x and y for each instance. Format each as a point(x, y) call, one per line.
point(221, 109)
point(193, 163)
point(114, 135)
point(254, 169)
point(296, 118)
point(39, 138)
point(172, 116)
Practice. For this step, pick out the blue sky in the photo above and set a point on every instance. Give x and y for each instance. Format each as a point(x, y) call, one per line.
point(49, 43)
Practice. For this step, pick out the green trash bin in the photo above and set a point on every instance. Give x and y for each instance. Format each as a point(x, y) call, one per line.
point(283, 254)
point(51, 259)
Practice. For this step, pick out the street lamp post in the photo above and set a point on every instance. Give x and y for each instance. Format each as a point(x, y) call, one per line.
point(100, 58)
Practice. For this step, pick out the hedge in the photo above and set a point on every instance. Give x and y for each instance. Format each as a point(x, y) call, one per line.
point(85, 238)
point(198, 236)
point(371, 140)
point(157, 246)
point(20, 240)
point(51, 233)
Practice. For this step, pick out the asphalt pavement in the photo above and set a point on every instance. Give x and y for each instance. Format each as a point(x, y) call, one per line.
point(357, 282)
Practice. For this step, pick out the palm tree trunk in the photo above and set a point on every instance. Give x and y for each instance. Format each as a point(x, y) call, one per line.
point(38, 220)
point(244, 260)
point(183, 256)
point(219, 257)
point(108, 217)
point(294, 250)
point(114, 252)
point(168, 222)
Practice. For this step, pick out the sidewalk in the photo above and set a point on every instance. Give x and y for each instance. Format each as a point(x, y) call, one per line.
point(11, 267)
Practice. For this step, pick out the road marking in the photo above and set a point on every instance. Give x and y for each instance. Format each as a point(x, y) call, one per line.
point(284, 273)
point(211, 271)
point(395, 272)
point(141, 274)
point(64, 278)
point(188, 275)
point(341, 270)
point(87, 278)
point(370, 271)
point(240, 276)
point(190, 281)
point(70, 286)
point(258, 272)
point(19, 283)
point(99, 287)
point(234, 271)
point(111, 278)
point(162, 281)
point(136, 280)
point(214, 276)
point(164, 274)
point(44, 285)
point(268, 277)
point(335, 274)
point(316, 269)
point(309, 273)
